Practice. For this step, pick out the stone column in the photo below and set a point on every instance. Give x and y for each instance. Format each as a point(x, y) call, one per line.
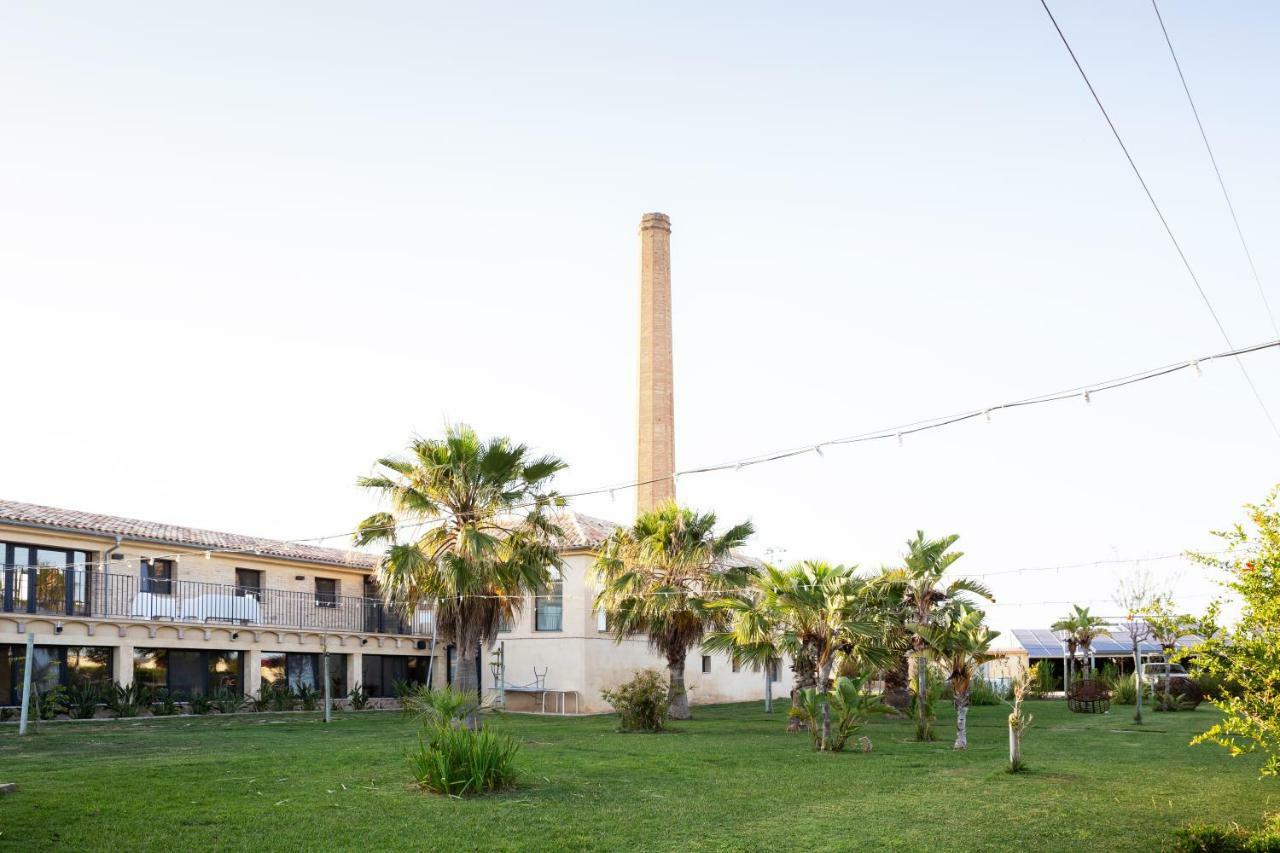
point(355, 669)
point(122, 664)
point(656, 451)
point(252, 671)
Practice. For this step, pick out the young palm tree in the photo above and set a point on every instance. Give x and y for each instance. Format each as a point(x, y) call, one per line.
point(1088, 629)
point(482, 534)
point(919, 584)
point(812, 609)
point(657, 578)
point(961, 644)
point(1066, 628)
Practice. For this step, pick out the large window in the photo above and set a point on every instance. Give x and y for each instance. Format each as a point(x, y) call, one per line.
point(305, 669)
point(548, 607)
point(53, 666)
point(326, 592)
point(188, 672)
point(380, 674)
point(249, 582)
point(157, 577)
point(44, 580)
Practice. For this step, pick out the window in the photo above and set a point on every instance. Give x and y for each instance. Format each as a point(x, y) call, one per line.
point(381, 674)
point(249, 582)
point(53, 666)
point(706, 663)
point(44, 580)
point(602, 620)
point(326, 592)
point(188, 672)
point(548, 607)
point(157, 577)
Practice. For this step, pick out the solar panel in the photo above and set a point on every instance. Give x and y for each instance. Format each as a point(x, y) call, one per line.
point(1041, 643)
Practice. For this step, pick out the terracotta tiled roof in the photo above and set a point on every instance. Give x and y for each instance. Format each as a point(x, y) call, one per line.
point(170, 534)
point(580, 531)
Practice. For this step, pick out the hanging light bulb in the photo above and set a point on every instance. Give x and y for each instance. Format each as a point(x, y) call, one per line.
point(817, 448)
point(1195, 365)
point(611, 495)
point(986, 413)
point(738, 467)
point(208, 555)
point(899, 439)
point(1086, 396)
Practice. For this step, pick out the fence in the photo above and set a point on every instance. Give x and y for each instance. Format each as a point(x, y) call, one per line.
point(83, 592)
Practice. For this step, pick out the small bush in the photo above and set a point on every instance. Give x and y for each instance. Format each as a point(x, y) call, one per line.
point(982, 693)
point(308, 697)
point(82, 700)
point(641, 703)
point(165, 702)
point(359, 699)
point(1043, 681)
point(225, 700)
point(51, 702)
point(1177, 694)
point(200, 704)
point(6, 714)
point(452, 759)
point(437, 706)
point(126, 701)
point(1125, 693)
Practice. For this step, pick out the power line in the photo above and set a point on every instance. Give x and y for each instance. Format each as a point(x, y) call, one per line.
point(1159, 213)
point(1083, 391)
point(1244, 244)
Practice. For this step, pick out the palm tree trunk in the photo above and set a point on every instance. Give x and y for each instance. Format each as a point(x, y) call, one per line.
point(805, 677)
point(466, 683)
point(897, 694)
point(677, 696)
point(1137, 682)
point(824, 676)
point(922, 695)
point(962, 720)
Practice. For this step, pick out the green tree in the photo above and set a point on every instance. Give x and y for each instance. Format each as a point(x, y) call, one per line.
point(921, 586)
point(1248, 655)
point(483, 536)
point(812, 610)
point(960, 644)
point(658, 576)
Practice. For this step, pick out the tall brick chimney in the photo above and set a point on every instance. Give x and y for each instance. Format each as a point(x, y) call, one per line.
point(656, 448)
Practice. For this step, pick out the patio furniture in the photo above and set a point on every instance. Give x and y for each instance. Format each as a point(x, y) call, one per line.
point(538, 687)
point(1088, 697)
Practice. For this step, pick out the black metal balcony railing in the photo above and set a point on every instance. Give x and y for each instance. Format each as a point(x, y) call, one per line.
point(81, 592)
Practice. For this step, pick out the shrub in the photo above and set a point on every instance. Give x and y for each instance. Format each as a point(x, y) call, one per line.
point(165, 702)
point(225, 700)
point(6, 714)
point(982, 693)
point(437, 706)
point(1125, 693)
point(401, 688)
point(359, 699)
point(1177, 694)
point(200, 704)
point(51, 702)
point(308, 697)
point(850, 707)
point(641, 703)
point(82, 700)
point(126, 701)
point(452, 759)
point(1043, 681)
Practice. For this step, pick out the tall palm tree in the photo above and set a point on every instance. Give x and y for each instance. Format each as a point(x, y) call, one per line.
point(920, 585)
point(960, 644)
point(1065, 628)
point(1088, 629)
point(482, 534)
point(812, 609)
point(657, 578)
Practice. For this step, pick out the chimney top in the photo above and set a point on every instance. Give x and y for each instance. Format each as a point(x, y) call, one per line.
point(655, 220)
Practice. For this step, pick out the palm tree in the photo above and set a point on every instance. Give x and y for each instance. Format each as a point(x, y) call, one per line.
point(1065, 628)
point(657, 577)
point(1088, 629)
point(919, 584)
point(813, 611)
point(961, 644)
point(482, 534)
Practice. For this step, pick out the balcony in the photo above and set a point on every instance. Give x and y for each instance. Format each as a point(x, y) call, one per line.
point(81, 592)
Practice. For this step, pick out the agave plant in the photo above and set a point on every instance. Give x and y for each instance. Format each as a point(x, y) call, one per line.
point(359, 698)
point(308, 697)
point(126, 701)
point(164, 702)
point(83, 699)
point(226, 700)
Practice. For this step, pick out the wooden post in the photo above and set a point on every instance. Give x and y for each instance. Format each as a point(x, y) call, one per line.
point(26, 682)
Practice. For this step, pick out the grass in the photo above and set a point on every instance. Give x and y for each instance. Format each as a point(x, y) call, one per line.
point(729, 780)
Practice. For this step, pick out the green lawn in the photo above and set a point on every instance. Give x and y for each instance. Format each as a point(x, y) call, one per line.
point(730, 780)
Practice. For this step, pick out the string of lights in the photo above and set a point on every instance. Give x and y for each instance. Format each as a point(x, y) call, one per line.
point(1085, 392)
point(1195, 279)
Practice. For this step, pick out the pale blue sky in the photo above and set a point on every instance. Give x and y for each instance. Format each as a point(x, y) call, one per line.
point(246, 250)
